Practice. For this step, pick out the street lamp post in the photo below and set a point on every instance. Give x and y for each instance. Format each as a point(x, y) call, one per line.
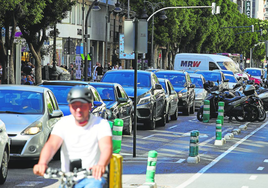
point(153, 6)
point(86, 36)
point(54, 75)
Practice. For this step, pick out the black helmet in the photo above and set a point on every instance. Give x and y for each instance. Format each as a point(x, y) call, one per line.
point(80, 93)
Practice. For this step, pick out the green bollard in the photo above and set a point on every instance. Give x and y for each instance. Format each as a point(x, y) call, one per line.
point(117, 135)
point(193, 152)
point(206, 111)
point(151, 166)
point(221, 112)
point(218, 129)
point(111, 124)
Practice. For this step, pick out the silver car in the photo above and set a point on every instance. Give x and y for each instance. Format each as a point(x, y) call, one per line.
point(4, 152)
point(29, 113)
point(200, 92)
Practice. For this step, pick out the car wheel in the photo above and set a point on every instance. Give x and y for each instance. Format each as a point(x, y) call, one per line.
point(193, 108)
point(150, 124)
point(128, 130)
point(199, 114)
point(163, 120)
point(4, 168)
point(186, 111)
point(167, 115)
point(175, 115)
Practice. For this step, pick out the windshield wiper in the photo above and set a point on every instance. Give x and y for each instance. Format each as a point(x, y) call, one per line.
point(11, 112)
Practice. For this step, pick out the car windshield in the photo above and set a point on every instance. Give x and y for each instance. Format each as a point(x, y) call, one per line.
point(211, 76)
point(197, 82)
point(177, 80)
point(106, 93)
point(231, 78)
point(163, 85)
point(254, 72)
point(60, 92)
point(21, 102)
point(228, 65)
point(127, 79)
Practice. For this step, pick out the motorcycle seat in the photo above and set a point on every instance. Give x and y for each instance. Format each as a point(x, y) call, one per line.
point(228, 100)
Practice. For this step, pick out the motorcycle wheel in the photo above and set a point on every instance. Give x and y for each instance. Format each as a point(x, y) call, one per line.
point(262, 114)
point(200, 114)
point(251, 113)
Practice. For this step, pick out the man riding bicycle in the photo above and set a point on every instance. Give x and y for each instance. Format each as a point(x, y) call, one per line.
point(80, 135)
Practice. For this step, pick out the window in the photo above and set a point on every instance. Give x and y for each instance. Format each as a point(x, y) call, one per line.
point(79, 14)
point(73, 15)
point(49, 102)
point(212, 66)
point(96, 95)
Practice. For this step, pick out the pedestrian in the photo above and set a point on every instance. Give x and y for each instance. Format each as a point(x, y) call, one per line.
point(95, 72)
point(99, 70)
point(120, 66)
point(114, 67)
point(23, 78)
point(28, 69)
point(80, 135)
point(29, 80)
point(71, 70)
point(109, 66)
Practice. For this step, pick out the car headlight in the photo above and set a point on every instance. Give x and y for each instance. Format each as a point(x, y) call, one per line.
point(199, 95)
point(144, 100)
point(33, 129)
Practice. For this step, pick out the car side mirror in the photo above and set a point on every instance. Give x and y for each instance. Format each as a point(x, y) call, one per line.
point(97, 103)
point(122, 100)
point(56, 114)
point(192, 86)
point(157, 86)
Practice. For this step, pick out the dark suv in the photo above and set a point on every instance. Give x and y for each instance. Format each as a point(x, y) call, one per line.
point(182, 84)
point(151, 104)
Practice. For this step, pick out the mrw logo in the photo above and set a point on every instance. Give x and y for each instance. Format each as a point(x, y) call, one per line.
point(190, 63)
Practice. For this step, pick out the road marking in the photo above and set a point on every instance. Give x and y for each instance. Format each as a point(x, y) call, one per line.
point(253, 177)
point(173, 127)
point(180, 161)
point(29, 184)
point(260, 168)
point(148, 136)
point(204, 169)
point(245, 187)
point(265, 160)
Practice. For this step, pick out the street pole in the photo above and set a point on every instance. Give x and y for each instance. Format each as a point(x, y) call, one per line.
point(152, 43)
point(250, 56)
point(54, 75)
point(85, 41)
point(106, 37)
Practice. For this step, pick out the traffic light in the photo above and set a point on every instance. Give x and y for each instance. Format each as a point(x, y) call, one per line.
point(252, 28)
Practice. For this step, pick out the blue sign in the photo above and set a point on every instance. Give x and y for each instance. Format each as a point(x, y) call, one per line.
point(122, 54)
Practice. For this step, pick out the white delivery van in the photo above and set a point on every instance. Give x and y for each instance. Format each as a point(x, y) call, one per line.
point(195, 61)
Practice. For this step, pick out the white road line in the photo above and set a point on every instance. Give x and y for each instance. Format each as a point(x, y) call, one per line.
point(204, 169)
point(172, 127)
point(245, 187)
point(148, 136)
point(253, 177)
point(260, 168)
point(180, 161)
point(29, 184)
point(265, 161)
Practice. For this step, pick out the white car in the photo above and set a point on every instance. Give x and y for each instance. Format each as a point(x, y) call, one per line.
point(4, 152)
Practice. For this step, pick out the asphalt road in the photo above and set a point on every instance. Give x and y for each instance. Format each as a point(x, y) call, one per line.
point(241, 162)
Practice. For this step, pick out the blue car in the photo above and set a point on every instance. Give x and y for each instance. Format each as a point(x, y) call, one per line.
point(118, 104)
point(182, 84)
point(61, 88)
point(151, 100)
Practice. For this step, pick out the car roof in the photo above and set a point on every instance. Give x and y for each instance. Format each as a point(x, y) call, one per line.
point(64, 82)
point(170, 72)
point(253, 68)
point(103, 84)
point(23, 88)
point(129, 70)
point(194, 75)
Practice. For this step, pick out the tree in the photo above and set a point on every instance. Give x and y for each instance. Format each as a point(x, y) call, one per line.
point(35, 33)
point(9, 13)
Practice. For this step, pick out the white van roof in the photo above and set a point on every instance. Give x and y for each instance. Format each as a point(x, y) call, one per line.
point(214, 57)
